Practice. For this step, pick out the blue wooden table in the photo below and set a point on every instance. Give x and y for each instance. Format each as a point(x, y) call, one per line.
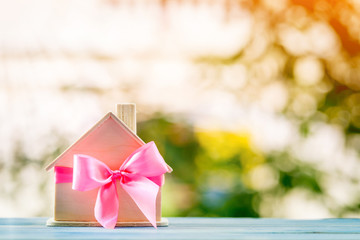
point(190, 228)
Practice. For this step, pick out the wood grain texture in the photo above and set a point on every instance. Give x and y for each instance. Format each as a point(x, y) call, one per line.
point(191, 228)
point(126, 112)
point(79, 206)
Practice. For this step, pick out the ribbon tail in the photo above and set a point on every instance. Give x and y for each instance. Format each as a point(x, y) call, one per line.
point(107, 205)
point(144, 192)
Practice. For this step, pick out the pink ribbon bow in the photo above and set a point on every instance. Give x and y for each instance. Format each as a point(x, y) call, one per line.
point(141, 176)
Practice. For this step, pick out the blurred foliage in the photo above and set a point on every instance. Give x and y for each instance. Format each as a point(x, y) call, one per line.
point(218, 173)
point(222, 173)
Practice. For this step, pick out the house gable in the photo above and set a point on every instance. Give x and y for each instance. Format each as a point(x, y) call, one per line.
point(109, 140)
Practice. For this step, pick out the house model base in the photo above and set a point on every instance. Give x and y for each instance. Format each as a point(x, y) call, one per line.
point(53, 223)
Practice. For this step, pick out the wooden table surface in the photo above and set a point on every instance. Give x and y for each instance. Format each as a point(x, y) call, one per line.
point(190, 228)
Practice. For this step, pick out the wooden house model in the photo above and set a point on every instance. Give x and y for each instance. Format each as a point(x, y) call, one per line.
point(110, 140)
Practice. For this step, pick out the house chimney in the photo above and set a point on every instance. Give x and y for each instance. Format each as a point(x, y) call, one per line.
point(126, 112)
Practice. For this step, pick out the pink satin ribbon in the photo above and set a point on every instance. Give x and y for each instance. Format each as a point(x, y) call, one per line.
point(141, 176)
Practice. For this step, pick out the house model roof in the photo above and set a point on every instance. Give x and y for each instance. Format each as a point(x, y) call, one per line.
point(109, 140)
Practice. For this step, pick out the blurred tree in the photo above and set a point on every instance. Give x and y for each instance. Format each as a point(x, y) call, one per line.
point(223, 174)
point(300, 62)
point(311, 49)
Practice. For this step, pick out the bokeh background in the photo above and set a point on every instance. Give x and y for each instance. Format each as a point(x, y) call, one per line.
point(254, 103)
